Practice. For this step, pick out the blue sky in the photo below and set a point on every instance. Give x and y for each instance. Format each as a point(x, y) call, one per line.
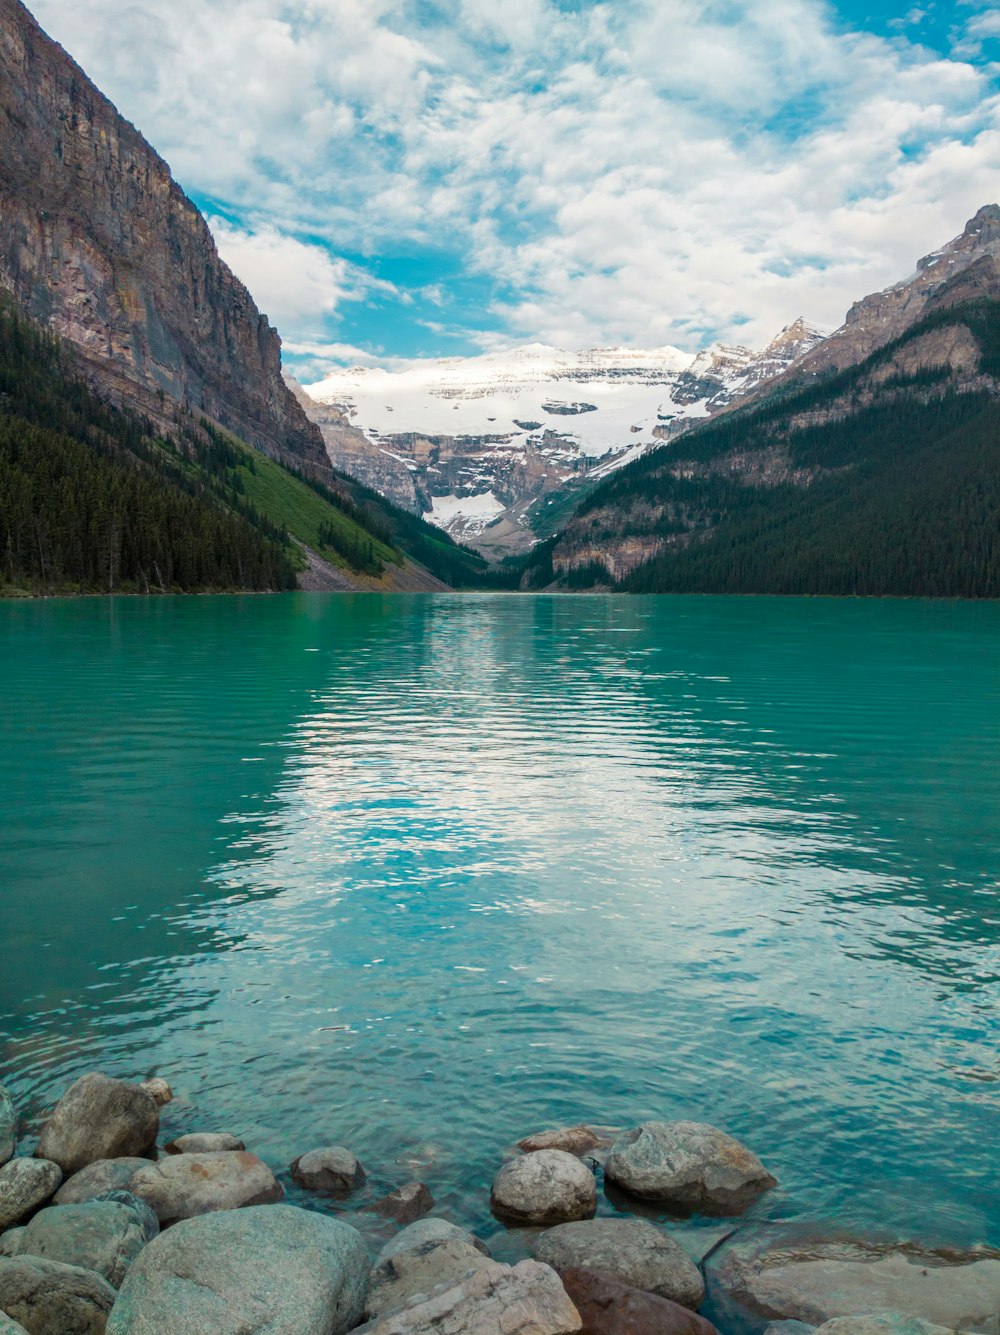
point(413, 178)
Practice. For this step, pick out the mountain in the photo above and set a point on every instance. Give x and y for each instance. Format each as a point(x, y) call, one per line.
point(872, 466)
point(493, 448)
point(99, 242)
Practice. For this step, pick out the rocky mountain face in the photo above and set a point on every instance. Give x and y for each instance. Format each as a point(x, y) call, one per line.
point(491, 448)
point(98, 241)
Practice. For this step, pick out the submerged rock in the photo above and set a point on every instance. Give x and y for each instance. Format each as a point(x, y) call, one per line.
point(8, 1127)
point(205, 1142)
point(689, 1165)
point(545, 1187)
point(526, 1299)
point(631, 1250)
point(99, 1177)
point(99, 1118)
point(609, 1307)
point(820, 1283)
point(419, 1271)
point(332, 1169)
point(49, 1298)
point(102, 1236)
point(186, 1185)
point(158, 1090)
point(577, 1139)
point(426, 1231)
point(25, 1184)
point(406, 1203)
point(277, 1269)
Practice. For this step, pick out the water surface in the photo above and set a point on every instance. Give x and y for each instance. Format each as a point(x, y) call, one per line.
point(421, 875)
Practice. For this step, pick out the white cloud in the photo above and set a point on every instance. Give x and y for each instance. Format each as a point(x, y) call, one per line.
point(648, 171)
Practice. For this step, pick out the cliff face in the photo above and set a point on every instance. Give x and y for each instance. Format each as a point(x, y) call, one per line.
point(99, 241)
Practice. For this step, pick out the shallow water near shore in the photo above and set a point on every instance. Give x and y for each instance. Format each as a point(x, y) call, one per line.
point(421, 875)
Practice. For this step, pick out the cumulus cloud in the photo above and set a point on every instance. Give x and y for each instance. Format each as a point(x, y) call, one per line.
point(647, 171)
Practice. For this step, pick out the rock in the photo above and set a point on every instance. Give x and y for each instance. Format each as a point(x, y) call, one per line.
point(158, 1090)
point(147, 1219)
point(876, 1323)
point(192, 1184)
point(546, 1187)
point(406, 1203)
point(688, 1165)
point(526, 1299)
point(8, 1127)
point(833, 1280)
point(9, 1327)
point(205, 1142)
point(789, 1328)
point(97, 1178)
point(102, 1236)
point(573, 1139)
point(332, 1169)
point(49, 1298)
point(99, 1118)
point(419, 1271)
point(631, 1250)
point(609, 1307)
point(274, 1269)
point(10, 1242)
point(25, 1184)
point(428, 1231)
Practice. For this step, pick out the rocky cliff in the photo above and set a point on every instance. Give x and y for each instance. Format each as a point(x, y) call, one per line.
point(98, 241)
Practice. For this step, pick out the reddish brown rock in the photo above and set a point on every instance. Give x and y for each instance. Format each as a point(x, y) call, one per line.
point(609, 1307)
point(573, 1139)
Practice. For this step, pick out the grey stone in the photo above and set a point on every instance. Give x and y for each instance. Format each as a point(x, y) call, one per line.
point(103, 1236)
point(838, 1280)
point(158, 1090)
point(99, 1118)
point(579, 1139)
point(406, 1203)
point(332, 1169)
point(49, 1298)
point(632, 1250)
point(419, 1271)
point(545, 1187)
point(880, 1323)
point(10, 1327)
point(526, 1299)
point(426, 1231)
point(205, 1142)
point(8, 1127)
point(97, 1178)
point(10, 1242)
point(274, 1269)
point(186, 1185)
point(148, 1221)
point(25, 1184)
point(689, 1165)
point(789, 1328)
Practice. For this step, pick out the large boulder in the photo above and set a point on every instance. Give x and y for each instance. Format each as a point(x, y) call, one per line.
point(186, 1185)
point(545, 1187)
point(406, 1203)
point(102, 1236)
point(332, 1169)
point(99, 1177)
point(421, 1270)
point(579, 1139)
point(526, 1299)
point(837, 1280)
point(25, 1184)
point(688, 1165)
point(205, 1142)
point(609, 1307)
point(880, 1323)
point(49, 1298)
point(631, 1250)
point(426, 1231)
point(274, 1269)
point(8, 1127)
point(99, 1118)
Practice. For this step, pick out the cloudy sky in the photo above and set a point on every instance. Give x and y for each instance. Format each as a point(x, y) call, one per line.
point(400, 178)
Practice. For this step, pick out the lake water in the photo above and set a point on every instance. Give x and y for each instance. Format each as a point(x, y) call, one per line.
point(421, 875)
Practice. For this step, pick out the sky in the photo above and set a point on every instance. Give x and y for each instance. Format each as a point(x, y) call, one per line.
point(427, 178)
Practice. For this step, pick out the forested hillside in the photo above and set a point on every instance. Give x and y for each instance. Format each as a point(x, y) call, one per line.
point(880, 479)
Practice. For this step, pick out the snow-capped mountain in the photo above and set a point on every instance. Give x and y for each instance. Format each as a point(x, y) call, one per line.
point(483, 445)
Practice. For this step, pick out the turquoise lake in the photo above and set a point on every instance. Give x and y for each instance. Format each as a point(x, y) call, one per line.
point(421, 875)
